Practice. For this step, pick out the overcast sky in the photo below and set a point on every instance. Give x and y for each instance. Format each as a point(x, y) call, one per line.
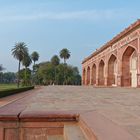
point(47, 26)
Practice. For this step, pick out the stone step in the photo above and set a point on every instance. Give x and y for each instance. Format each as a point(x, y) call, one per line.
point(73, 132)
point(55, 137)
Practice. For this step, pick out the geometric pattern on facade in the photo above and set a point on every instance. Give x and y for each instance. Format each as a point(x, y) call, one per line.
point(117, 63)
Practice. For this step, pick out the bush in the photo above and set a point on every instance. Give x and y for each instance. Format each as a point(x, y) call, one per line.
point(8, 92)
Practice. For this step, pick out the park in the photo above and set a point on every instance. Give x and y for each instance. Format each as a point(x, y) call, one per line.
point(69, 70)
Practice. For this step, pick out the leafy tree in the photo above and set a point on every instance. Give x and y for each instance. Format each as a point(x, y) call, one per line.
point(26, 62)
point(1, 68)
point(7, 77)
point(1, 77)
point(60, 74)
point(55, 60)
point(19, 52)
point(27, 81)
point(72, 76)
point(35, 77)
point(65, 54)
point(46, 73)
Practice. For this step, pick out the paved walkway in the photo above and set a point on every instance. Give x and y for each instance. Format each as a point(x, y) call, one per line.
point(9, 99)
point(120, 105)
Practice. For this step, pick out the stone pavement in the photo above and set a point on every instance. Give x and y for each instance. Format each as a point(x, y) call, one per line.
point(119, 105)
point(9, 99)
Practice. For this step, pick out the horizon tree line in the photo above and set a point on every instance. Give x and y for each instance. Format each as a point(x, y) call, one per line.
point(55, 73)
point(46, 73)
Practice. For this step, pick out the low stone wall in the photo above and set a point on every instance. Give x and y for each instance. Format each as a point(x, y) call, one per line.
point(21, 123)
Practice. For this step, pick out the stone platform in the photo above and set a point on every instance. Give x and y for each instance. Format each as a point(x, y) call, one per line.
point(100, 113)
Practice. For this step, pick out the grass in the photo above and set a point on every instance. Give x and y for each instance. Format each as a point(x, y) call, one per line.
point(7, 86)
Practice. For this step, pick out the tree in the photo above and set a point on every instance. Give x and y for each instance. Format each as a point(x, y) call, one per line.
point(46, 73)
point(65, 54)
point(19, 52)
point(35, 56)
point(27, 81)
point(60, 74)
point(8, 77)
point(53, 71)
point(1, 68)
point(35, 77)
point(26, 62)
point(55, 60)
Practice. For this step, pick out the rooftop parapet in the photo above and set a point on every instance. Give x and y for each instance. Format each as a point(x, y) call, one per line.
point(115, 39)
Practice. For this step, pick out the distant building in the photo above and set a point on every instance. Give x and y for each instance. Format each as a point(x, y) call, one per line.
point(117, 63)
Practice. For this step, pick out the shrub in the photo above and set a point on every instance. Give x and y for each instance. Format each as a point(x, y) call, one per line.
point(8, 92)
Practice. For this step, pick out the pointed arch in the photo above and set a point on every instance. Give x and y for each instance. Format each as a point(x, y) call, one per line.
point(94, 74)
point(126, 66)
point(84, 77)
point(88, 75)
point(101, 73)
point(112, 63)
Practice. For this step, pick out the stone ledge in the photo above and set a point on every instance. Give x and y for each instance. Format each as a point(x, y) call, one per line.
point(94, 125)
point(48, 116)
point(103, 128)
point(13, 112)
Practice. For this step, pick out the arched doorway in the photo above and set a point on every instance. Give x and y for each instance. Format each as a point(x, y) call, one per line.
point(94, 74)
point(133, 69)
point(84, 77)
point(101, 72)
point(88, 76)
point(112, 70)
point(129, 67)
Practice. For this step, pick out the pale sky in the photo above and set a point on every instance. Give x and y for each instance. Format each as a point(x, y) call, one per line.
point(47, 26)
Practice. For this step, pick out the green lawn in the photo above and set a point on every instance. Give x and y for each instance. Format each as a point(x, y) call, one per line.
point(7, 86)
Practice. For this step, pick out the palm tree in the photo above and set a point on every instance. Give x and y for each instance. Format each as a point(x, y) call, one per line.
point(26, 62)
point(55, 60)
point(65, 54)
point(35, 56)
point(19, 52)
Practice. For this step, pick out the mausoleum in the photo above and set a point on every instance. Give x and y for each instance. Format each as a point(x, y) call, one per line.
point(117, 63)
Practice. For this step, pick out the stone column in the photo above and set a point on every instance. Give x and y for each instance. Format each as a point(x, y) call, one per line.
point(86, 77)
point(105, 72)
point(97, 73)
point(138, 69)
point(83, 76)
point(119, 68)
point(91, 83)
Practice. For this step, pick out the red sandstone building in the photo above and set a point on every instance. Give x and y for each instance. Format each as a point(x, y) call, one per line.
point(117, 63)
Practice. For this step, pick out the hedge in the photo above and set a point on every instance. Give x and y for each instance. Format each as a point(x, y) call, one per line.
point(8, 92)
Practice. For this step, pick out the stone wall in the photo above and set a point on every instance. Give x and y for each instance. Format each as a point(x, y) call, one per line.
point(110, 65)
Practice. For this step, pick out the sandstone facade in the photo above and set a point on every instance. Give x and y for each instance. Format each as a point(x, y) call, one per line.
point(117, 63)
